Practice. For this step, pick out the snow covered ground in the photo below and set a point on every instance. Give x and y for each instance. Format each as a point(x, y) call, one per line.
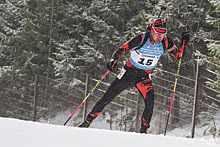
point(19, 133)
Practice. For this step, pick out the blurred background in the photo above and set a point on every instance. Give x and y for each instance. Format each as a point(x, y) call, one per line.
point(52, 53)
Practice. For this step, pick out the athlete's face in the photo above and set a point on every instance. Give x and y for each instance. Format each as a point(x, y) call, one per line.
point(157, 37)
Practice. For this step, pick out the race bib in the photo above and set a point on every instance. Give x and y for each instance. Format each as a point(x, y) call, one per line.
point(147, 56)
point(143, 61)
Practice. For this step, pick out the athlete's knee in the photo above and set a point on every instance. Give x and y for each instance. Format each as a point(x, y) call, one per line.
point(150, 94)
point(146, 89)
point(149, 100)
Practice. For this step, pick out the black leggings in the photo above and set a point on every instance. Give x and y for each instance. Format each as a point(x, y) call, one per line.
point(129, 77)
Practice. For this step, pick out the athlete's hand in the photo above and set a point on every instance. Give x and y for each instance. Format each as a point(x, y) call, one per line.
point(185, 36)
point(111, 64)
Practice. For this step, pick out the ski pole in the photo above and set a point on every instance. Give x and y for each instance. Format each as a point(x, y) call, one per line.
point(174, 89)
point(87, 96)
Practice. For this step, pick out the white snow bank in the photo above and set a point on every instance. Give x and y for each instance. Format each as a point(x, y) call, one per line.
point(19, 133)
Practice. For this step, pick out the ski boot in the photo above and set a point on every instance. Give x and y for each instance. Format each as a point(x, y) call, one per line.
point(144, 129)
point(85, 124)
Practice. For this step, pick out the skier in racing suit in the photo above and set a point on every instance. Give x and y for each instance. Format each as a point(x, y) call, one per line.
point(146, 49)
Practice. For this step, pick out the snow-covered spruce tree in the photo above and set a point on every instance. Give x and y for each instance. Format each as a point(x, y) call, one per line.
point(24, 33)
point(76, 53)
point(10, 27)
point(25, 28)
point(211, 62)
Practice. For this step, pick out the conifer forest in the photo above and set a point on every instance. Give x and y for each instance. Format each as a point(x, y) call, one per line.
point(65, 40)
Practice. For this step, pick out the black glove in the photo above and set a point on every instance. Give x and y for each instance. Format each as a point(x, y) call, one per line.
point(111, 64)
point(185, 36)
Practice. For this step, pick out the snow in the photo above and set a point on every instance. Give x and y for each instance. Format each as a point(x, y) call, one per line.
point(20, 133)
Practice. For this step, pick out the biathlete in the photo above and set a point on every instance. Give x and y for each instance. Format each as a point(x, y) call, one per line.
point(146, 49)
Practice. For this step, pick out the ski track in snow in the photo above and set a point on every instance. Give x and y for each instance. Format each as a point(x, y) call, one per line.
point(19, 133)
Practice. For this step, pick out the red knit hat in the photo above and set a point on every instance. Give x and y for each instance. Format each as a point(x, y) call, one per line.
point(159, 26)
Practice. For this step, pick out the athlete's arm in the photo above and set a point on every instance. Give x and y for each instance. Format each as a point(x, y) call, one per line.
point(172, 49)
point(134, 42)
